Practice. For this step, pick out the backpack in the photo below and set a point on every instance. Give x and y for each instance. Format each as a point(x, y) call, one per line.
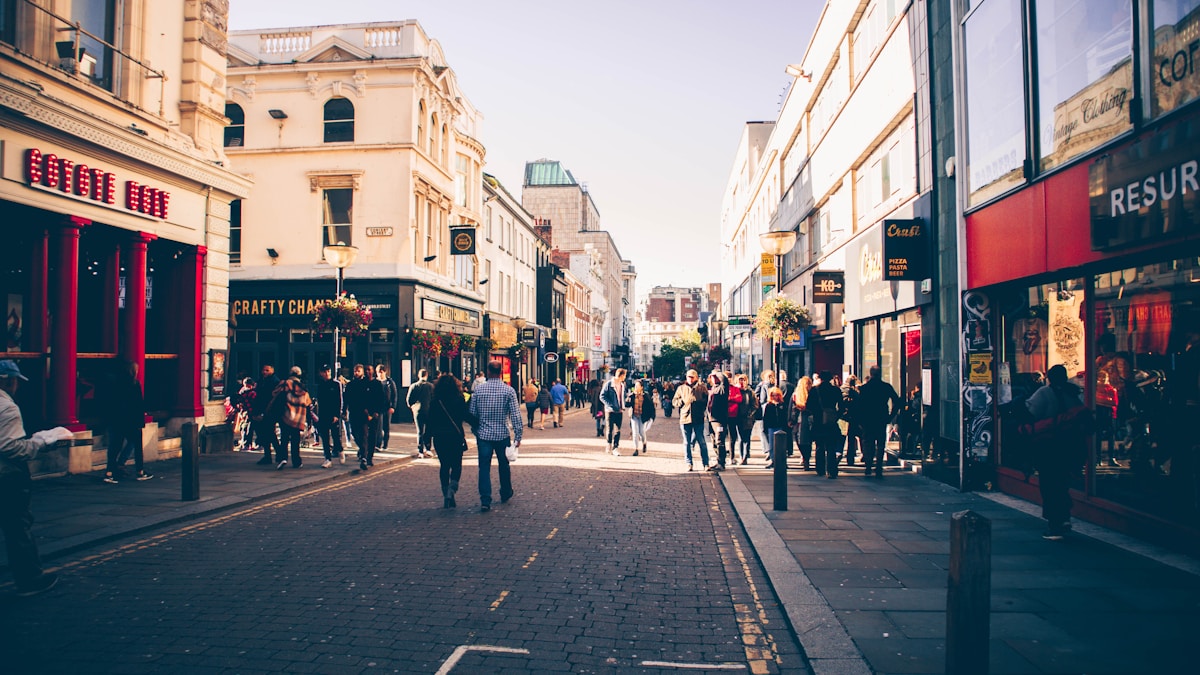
point(1076, 421)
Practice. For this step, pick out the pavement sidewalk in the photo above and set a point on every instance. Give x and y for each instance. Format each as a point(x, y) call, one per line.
point(860, 566)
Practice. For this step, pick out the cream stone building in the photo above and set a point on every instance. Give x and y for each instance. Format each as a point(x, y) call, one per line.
point(115, 198)
point(356, 134)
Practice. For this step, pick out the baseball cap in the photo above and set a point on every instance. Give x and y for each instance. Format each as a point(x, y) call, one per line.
point(8, 368)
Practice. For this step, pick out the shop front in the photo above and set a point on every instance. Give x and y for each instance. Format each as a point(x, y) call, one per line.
point(887, 321)
point(104, 264)
point(1096, 269)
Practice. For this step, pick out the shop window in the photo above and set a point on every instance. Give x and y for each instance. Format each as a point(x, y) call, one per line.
point(995, 98)
point(1085, 75)
point(235, 132)
point(235, 232)
point(336, 216)
point(1147, 391)
point(339, 120)
point(1174, 73)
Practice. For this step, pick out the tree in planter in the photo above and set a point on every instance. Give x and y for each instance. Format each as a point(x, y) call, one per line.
point(781, 317)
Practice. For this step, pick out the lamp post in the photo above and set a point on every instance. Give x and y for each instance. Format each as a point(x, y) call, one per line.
point(519, 324)
point(340, 256)
point(777, 243)
point(719, 327)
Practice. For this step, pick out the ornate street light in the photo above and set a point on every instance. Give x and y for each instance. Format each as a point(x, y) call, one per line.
point(339, 256)
point(777, 243)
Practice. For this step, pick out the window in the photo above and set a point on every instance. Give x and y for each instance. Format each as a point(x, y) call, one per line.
point(433, 127)
point(487, 220)
point(98, 17)
point(339, 120)
point(235, 132)
point(1085, 75)
point(445, 146)
point(429, 245)
point(995, 98)
point(464, 271)
point(461, 176)
point(8, 21)
point(235, 232)
point(1174, 73)
point(420, 124)
point(337, 216)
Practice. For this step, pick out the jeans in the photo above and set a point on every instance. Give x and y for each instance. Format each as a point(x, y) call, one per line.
point(769, 434)
point(122, 442)
point(829, 443)
point(639, 430)
point(330, 434)
point(874, 438)
point(16, 520)
point(424, 442)
point(694, 433)
point(530, 408)
point(264, 431)
point(720, 435)
point(613, 430)
point(386, 429)
point(291, 439)
point(741, 436)
point(486, 448)
point(366, 434)
point(450, 455)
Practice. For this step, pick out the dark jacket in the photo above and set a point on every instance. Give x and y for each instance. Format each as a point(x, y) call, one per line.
point(748, 410)
point(389, 388)
point(775, 416)
point(446, 416)
point(872, 406)
point(419, 396)
point(126, 407)
point(718, 400)
point(266, 390)
point(330, 402)
point(647, 412)
point(825, 405)
point(365, 398)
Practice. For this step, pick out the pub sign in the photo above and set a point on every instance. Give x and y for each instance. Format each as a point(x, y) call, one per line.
point(906, 246)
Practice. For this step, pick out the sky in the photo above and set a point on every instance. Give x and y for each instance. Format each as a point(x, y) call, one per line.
point(642, 100)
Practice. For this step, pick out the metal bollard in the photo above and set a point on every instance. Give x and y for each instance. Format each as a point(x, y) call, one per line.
point(779, 455)
point(190, 445)
point(968, 600)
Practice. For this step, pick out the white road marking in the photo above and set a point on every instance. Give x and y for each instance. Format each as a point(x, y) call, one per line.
point(463, 649)
point(693, 666)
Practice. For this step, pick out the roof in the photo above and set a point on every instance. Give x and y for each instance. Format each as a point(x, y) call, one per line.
point(547, 172)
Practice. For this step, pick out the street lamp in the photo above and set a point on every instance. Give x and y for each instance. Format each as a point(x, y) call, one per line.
point(340, 256)
point(777, 243)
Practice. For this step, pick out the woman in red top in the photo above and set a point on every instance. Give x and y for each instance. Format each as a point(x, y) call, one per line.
point(1106, 417)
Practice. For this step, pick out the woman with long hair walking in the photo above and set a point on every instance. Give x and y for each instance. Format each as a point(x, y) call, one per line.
point(448, 412)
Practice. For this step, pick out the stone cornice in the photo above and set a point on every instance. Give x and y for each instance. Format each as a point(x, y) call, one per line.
point(28, 102)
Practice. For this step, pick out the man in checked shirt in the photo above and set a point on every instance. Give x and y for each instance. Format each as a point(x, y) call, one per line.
point(494, 404)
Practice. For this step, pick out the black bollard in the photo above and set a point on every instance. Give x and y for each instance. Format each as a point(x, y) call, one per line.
point(968, 600)
point(779, 455)
point(190, 445)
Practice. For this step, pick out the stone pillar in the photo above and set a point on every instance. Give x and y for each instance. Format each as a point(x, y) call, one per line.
point(202, 86)
point(133, 346)
point(65, 305)
point(190, 394)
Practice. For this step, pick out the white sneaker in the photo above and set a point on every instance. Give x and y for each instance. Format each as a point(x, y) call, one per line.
point(616, 452)
point(280, 465)
point(328, 463)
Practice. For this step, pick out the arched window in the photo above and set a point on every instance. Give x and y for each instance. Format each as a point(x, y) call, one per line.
point(339, 120)
point(421, 124)
point(433, 126)
point(445, 146)
point(235, 133)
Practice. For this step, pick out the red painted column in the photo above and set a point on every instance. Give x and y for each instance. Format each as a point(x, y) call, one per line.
point(63, 342)
point(133, 346)
point(110, 325)
point(39, 289)
point(190, 331)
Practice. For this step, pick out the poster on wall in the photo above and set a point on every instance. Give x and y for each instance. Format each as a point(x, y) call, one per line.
point(1004, 395)
point(16, 307)
point(217, 360)
point(981, 368)
point(979, 336)
point(1067, 332)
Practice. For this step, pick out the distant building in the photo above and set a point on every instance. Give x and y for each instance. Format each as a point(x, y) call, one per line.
point(667, 313)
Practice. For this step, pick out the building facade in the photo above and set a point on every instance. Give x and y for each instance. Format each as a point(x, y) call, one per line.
point(116, 201)
point(356, 134)
point(666, 313)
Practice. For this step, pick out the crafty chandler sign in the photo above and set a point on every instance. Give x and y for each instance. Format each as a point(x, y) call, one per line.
point(49, 171)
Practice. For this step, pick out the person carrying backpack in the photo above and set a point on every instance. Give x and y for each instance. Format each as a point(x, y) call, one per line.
point(1060, 447)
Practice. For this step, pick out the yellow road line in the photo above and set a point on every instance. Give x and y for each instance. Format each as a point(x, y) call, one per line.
point(530, 561)
point(552, 533)
point(503, 595)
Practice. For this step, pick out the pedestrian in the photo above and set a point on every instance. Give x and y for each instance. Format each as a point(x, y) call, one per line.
point(365, 401)
point(293, 402)
point(392, 394)
point(242, 401)
point(667, 391)
point(529, 394)
point(691, 400)
point(786, 385)
point(801, 420)
point(1059, 453)
point(126, 415)
point(543, 403)
point(448, 410)
point(640, 403)
point(558, 399)
point(494, 405)
point(263, 418)
point(419, 396)
point(596, 406)
point(612, 396)
point(16, 485)
point(748, 412)
point(825, 407)
point(330, 403)
point(876, 406)
point(762, 392)
point(718, 416)
point(854, 434)
point(774, 419)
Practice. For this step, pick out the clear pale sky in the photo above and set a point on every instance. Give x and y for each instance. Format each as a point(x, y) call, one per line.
point(643, 100)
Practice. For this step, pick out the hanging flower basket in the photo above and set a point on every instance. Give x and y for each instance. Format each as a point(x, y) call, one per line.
point(345, 314)
point(781, 316)
point(466, 343)
point(719, 354)
point(484, 345)
point(427, 343)
point(450, 345)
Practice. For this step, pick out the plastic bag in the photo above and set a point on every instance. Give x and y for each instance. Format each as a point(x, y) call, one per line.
point(511, 453)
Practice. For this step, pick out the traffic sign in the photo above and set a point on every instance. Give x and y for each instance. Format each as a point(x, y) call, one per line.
point(550, 357)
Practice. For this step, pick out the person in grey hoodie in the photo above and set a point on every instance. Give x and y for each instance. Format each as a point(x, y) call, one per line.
point(16, 485)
